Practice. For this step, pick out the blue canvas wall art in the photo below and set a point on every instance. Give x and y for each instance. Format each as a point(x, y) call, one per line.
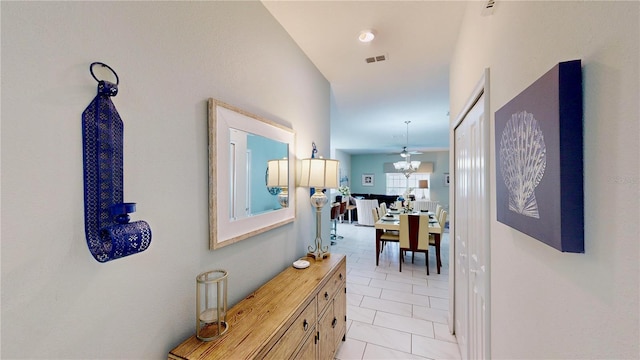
point(539, 155)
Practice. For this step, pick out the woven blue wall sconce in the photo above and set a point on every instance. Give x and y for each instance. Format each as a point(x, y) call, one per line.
point(109, 233)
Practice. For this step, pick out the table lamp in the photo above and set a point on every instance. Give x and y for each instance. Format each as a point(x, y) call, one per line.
point(319, 173)
point(278, 176)
point(423, 184)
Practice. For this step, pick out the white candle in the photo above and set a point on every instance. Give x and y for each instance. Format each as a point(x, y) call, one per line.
point(209, 315)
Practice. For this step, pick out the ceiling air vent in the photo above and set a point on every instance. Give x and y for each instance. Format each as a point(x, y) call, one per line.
point(373, 59)
point(487, 9)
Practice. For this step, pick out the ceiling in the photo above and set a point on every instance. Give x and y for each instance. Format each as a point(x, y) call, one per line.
point(372, 101)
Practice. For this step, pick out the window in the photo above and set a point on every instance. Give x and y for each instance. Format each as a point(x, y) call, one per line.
point(397, 184)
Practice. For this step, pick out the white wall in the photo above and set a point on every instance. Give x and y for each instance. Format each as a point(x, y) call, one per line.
point(547, 304)
point(57, 301)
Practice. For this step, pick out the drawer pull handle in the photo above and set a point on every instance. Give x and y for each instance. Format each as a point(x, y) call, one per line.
point(326, 295)
point(340, 276)
point(305, 325)
point(334, 323)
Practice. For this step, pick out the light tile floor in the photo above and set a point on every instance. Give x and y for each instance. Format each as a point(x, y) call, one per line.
point(392, 314)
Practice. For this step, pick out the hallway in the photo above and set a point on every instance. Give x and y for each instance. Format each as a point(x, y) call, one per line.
point(393, 315)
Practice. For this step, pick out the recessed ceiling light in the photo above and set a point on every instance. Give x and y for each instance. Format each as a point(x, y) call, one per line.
point(366, 35)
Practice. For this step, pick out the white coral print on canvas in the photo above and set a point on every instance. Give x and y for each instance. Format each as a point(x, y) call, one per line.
point(523, 158)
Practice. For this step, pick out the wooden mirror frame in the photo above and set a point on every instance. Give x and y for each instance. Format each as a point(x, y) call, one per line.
point(222, 230)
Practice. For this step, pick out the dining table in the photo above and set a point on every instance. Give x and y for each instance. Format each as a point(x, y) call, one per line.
point(391, 222)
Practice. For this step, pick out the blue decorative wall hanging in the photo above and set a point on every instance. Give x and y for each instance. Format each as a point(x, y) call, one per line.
point(109, 233)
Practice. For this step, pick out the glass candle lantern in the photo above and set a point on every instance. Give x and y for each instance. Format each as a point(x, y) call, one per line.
point(211, 305)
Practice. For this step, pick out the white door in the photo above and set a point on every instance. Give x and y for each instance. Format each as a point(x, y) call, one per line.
point(471, 231)
point(461, 269)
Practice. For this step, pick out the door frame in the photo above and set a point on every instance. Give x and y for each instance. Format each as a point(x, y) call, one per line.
point(482, 87)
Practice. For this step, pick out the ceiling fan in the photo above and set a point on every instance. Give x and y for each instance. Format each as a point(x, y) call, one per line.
point(406, 153)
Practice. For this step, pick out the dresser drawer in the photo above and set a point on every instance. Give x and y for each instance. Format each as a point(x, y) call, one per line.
point(325, 295)
point(304, 325)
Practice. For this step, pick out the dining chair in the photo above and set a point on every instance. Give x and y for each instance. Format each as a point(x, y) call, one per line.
point(379, 212)
point(383, 209)
point(439, 209)
point(410, 239)
point(386, 235)
point(442, 220)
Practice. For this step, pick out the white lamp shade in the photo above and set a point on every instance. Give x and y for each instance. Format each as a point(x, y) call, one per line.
point(406, 165)
point(319, 173)
point(278, 173)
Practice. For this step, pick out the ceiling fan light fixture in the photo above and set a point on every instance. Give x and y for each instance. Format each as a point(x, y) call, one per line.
point(407, 167)
point(366, 36)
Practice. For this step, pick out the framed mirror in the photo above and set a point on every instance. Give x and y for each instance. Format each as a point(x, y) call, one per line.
point(241, 202)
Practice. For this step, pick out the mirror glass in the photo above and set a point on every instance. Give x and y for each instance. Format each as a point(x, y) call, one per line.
point(241, 145)
point(250, 194)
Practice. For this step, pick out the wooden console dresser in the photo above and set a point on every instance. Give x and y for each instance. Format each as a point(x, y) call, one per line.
point(299, 314)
